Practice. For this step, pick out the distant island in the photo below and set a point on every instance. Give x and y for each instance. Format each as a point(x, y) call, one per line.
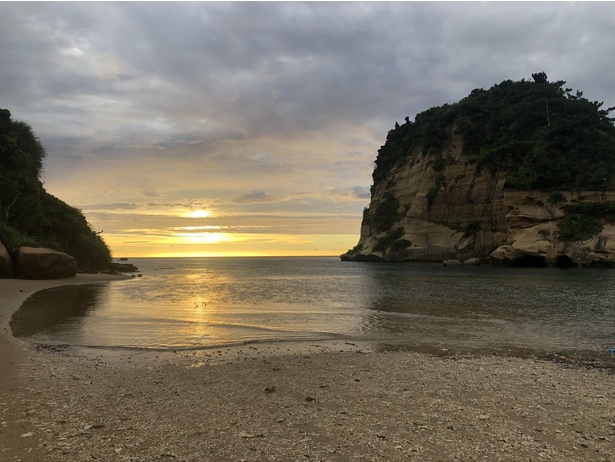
point(520, 174)
point(33, 223)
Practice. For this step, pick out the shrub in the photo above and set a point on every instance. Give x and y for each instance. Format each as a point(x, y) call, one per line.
point(400, 245)
point(386, 214)
point(556, 197)
point(593, 209)
point(12, 238)
point(388, 240)
point(577, 227)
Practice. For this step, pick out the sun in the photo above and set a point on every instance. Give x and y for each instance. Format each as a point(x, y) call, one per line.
point(199, 213)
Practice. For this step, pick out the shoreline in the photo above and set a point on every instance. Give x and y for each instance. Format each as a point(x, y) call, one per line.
point(15, 355)
point(328, 400)
point(14, 292)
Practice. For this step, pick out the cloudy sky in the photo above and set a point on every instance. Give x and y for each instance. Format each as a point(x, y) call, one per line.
point(251, 128)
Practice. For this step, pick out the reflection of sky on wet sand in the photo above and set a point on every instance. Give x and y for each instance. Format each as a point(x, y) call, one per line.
point(187, 303)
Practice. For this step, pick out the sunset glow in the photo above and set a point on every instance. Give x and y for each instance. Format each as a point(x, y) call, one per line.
point(173, 140)
point(198, 214)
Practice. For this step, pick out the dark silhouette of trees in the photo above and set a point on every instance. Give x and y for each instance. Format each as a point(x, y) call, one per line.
point(31, 216)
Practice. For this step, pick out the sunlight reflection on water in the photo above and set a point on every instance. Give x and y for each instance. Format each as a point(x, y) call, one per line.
point(186, 303)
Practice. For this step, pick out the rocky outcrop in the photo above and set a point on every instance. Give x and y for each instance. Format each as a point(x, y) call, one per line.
point(43, 263)
point(496, 177)
point(448, 210)
point(6, 264)
point(123, 267)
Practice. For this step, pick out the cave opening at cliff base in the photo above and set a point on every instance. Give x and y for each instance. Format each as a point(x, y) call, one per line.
point(530, 261)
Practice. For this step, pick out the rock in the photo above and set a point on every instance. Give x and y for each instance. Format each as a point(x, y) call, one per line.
point(6, 264)
point(472, 215)
point(451, 263)
point(472, 262)
point(123, 267)
point(43, 263)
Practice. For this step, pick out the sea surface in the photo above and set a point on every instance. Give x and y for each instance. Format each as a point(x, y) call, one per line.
point(196, 303)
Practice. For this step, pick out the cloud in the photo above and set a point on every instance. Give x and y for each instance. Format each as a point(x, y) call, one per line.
point(252, 197)
point(150, 193)
point(259, 107)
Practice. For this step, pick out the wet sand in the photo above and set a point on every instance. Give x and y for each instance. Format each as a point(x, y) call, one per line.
point(14, 361)
point(329, 401)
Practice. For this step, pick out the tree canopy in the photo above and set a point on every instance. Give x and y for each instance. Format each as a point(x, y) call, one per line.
point(538, 133)
point(31, 216)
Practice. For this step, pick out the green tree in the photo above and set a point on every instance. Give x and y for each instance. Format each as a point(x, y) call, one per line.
point(537, 133)
point(31, 216)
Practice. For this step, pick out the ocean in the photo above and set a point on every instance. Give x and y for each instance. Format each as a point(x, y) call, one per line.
point(199, 303)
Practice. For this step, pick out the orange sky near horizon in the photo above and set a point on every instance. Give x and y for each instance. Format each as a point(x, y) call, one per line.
point(195, 238)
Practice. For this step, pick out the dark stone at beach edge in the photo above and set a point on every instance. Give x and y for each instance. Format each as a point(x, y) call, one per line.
point(43, 263)
point(123, 267)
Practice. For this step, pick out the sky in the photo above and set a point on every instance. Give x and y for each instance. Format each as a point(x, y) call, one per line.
point(232, 128)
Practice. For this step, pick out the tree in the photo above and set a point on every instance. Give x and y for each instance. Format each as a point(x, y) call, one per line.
point(31, 216)
point(540, 77)
point(540, 136)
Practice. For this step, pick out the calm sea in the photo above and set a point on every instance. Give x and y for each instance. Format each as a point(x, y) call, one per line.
point(188, 303)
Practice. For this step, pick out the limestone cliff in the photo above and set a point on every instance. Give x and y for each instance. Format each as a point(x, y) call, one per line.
point(431, 205)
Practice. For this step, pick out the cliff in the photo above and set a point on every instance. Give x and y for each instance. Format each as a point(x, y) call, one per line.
point(454, 198)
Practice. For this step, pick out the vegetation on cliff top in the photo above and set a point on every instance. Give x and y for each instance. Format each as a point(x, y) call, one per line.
point(538, 133)
point(31, 216)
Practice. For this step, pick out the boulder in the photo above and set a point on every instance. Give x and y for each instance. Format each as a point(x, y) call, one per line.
point(6, 264)
point(472, 262)
point(123, 267)
point(43, 263)
point(451, 263)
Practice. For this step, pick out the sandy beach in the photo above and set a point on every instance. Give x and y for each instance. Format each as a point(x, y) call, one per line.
point(328, 401)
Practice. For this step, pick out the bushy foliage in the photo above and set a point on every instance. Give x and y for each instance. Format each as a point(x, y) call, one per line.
point(577, 227)
point(604, 210)
point(388, 240)
point(400, 245)
point(540, 134)
point(12, 238)
point(386, 213)
point(556, 197)
point(31, 216)
point(585, 219)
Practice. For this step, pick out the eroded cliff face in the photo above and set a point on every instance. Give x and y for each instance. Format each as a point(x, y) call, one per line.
point(446, 209)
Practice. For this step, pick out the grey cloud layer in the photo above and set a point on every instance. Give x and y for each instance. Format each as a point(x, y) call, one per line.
point(263, 69)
